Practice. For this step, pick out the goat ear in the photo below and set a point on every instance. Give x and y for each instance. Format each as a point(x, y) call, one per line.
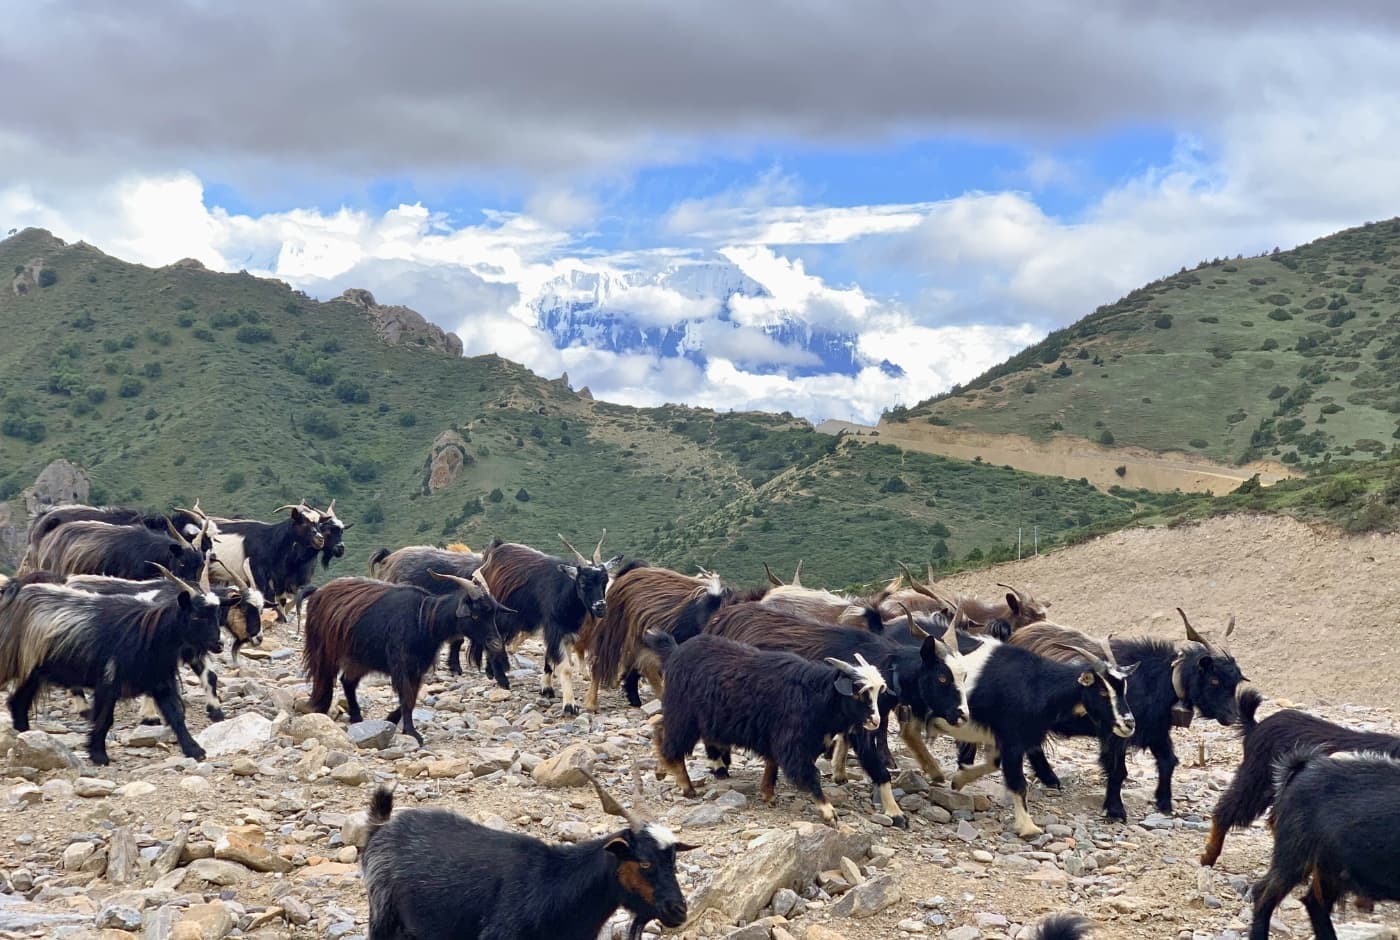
point(685, 847)
point(619, 846)
point(570, 570)
point(845, 686)
point(1014, 603)
point(1086, 678)
point(183, 599)
point(1207, 663)
point(1128, 670)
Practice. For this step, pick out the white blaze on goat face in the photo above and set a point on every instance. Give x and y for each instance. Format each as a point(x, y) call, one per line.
point(869, 685)
point(663, 837)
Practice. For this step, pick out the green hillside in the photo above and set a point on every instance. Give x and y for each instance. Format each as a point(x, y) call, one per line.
point(178, 383)
point(1292, 356)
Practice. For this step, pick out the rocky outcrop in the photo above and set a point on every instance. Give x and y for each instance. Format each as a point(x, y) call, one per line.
point(448, 458)
point(27, 278)
point(401, 326)
point(58, 483)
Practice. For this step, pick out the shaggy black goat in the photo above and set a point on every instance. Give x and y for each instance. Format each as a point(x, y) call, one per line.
point(1266, 742)
point(118, 645)
point(547, 594)
point(777, 705)
point(281, 555)
point(118, 551)
point(431, 873)
point(1334, 823)
point(355, 626)
point(1061, 927)
point(924, 681)
point(1172, 679)
point(1016, 697)
point(415, 564)
point(240, 612)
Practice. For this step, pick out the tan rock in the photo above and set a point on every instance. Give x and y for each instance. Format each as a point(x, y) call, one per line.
point(235, 846)
point(566, 768)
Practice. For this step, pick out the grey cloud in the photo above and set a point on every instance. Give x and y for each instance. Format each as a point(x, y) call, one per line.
point(356, 87)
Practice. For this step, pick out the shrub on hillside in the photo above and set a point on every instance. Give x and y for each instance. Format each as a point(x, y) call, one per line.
point(48, 277)
point(319, 423)
point(1163, 322)
point(131, 387)
point(1107, 438)
point(1280, 314)
point(253, 334)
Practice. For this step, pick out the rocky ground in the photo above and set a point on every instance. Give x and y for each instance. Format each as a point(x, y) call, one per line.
point(259, 840)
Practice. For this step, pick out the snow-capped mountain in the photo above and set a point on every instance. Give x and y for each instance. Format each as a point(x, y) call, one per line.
point(693, 309)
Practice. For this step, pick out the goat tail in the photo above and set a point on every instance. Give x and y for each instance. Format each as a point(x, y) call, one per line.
point(661, 643)
point(305, 591)
point(1289, 765)
point(1249, 701)
point(1062, 927)
point(375, 560)
point(381, 805)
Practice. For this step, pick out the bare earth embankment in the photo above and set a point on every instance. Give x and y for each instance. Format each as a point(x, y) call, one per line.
point(124, 851)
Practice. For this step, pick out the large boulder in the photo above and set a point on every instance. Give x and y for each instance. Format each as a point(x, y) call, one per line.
point(447, 459)
point(566, 768)
point(777, 859)
point(246, 732)
point(39, 750)
point(59, 483)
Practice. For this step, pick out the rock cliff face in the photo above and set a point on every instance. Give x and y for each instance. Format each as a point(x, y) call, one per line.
point(398, 325)
point(59, 482)
point(448, 458)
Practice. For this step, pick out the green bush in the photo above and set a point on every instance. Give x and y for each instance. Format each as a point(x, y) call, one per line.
point(940, 530)
point(894, 484)
point(1340, 490)
point(131, 387)
point(335, 479)
point(522, 496)
point(1199, 444)
point(1331, 408)
point(1163, 322)
point(1107, 438)
point(253, 334)
point(351, 392)
point(496, 495)
point(233, 481)
point(48, 277)
point(96, 394)
point(321, 424)
point(1278, 391)
point(1064, 371)
point(151, 370)
point(408, 419)
point(1269, 345)
point(1280, 314)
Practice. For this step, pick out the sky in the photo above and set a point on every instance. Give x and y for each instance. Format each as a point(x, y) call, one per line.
point(939, 183)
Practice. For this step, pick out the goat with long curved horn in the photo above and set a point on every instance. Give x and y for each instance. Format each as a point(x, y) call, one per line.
point(1191, 633)
point(577, 554)
point(612, 807)
point(772, 578)
point(797, 575)
point(473, 589)
point(598, 549)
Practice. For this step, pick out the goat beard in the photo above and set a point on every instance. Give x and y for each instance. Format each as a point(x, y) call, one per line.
point(639, 924)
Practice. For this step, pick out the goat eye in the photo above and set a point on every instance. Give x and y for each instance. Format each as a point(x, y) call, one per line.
point(942, 680)
point(647, 866)
point(1103, 692)
point(1215, 682)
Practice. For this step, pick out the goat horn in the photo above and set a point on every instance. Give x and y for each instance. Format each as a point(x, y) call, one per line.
point(471, 587)
point(1230, 627)
point(772, 578)
point(598, 550)
point(929, 575)
point(896, 584)
point(330, 510)
point(914, 628)
point(176, 534)
point(1107, 645)
point(204, 577)
point(288, 506)
point(613, 808)
point(193, 512)
point(1095, 663)
point(918, 588)
point(248, 573)
point(842, 665)
point(189, 588)
point(1020, 595)
point(797, 575)
point(577, 554)
point(1191, 633)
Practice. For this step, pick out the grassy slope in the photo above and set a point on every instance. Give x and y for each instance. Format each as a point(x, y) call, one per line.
point(1225, 378)
point(241, 426)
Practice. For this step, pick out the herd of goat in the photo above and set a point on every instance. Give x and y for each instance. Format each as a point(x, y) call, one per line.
point(110, 601)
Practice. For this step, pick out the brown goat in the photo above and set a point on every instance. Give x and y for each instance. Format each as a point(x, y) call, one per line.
point(639, 600)
point(1017, 609)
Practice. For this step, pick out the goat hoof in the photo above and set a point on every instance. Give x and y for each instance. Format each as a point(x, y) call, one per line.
point(720, 773)
point(547, 693)
point(196, 752)
point(1207, 860)
point(688, 793)
point(215, 714)
point(1164, 807)
point(1030, 832)
point(145, 721)
point(901, 822)
point(99, 758)
point(1118, 814)
point(570, 710)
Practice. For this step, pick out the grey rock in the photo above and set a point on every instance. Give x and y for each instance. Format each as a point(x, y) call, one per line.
point(966, 831)
point(965, 932)
point(123, 856)
point(41, 751)
point(707, 814)
point(218, 872)
point(779, 858)
point(784, 901)
point(375, 734)
point(355, 828)
point(119, 917)
point(751, 932)
point(247, 731)
point(732, 799)
point(950, 800)
point(869, 897)
point(297, 911)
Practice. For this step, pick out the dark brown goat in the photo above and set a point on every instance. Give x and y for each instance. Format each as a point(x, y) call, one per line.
point(355, 626)
point(639, 600)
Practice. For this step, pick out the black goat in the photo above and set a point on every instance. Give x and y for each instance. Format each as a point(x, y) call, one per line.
point(1266, 742)
point(186, 523)
point(1061, 927)
point(415, 564)
point(240, 613)
point(118, 645)
point(547, 594)
point(1171, 680)
point(118, 551)
point(777, 705)
point(1333, 823)
point(281, 554)
point(1017, 697)
point(431, 873)
point(924, 681)
point(355, 626)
